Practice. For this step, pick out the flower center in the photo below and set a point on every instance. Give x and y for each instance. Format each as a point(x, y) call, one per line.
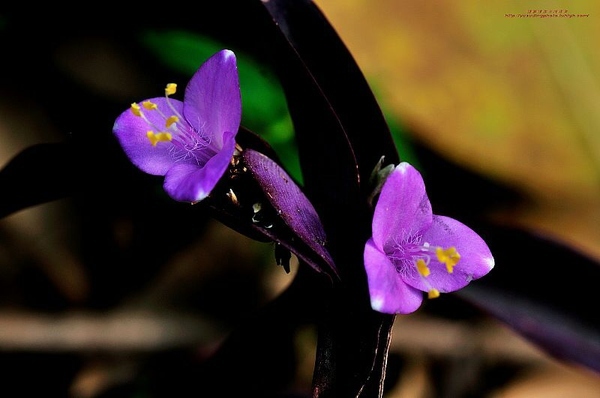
point(173, 128)
point(413, 258)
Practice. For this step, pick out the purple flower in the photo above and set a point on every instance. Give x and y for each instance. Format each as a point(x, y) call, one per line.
point(414, 251)
point(191, 142)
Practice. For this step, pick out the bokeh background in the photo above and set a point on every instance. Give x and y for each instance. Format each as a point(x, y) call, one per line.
point(513, 98)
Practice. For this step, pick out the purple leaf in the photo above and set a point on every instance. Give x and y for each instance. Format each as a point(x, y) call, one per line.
point(289, 202)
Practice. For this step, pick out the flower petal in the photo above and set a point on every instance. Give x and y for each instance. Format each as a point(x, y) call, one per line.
point(131, 130)
point(476, 260)
point(212, 102)
point(403, 207)
point(388, 292)
point(192, 183)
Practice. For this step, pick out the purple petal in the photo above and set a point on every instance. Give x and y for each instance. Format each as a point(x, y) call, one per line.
point(388, 292)
point(212, 102)
point(290, 202)
point(131, 130)
point(475, 257)
point(403, 207)
point(192, 183)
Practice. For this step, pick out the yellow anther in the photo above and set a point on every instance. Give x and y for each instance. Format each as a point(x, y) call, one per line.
point(135, 108)
point(448, 256)
point(149, 105)
point(171, 120)
point(433, 293)
point(156, 138)
point(152, 137)
point(422, 268)
point(170, 89)
point(166, 137)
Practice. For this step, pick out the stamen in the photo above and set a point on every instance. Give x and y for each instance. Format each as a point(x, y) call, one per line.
point(170, 120)
point(137, 111)
point(170, 89)
point(433, 293)
point(149, 105)
point(155, 138)
point(422, 268)
point(135, 108)
point(448, 256)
